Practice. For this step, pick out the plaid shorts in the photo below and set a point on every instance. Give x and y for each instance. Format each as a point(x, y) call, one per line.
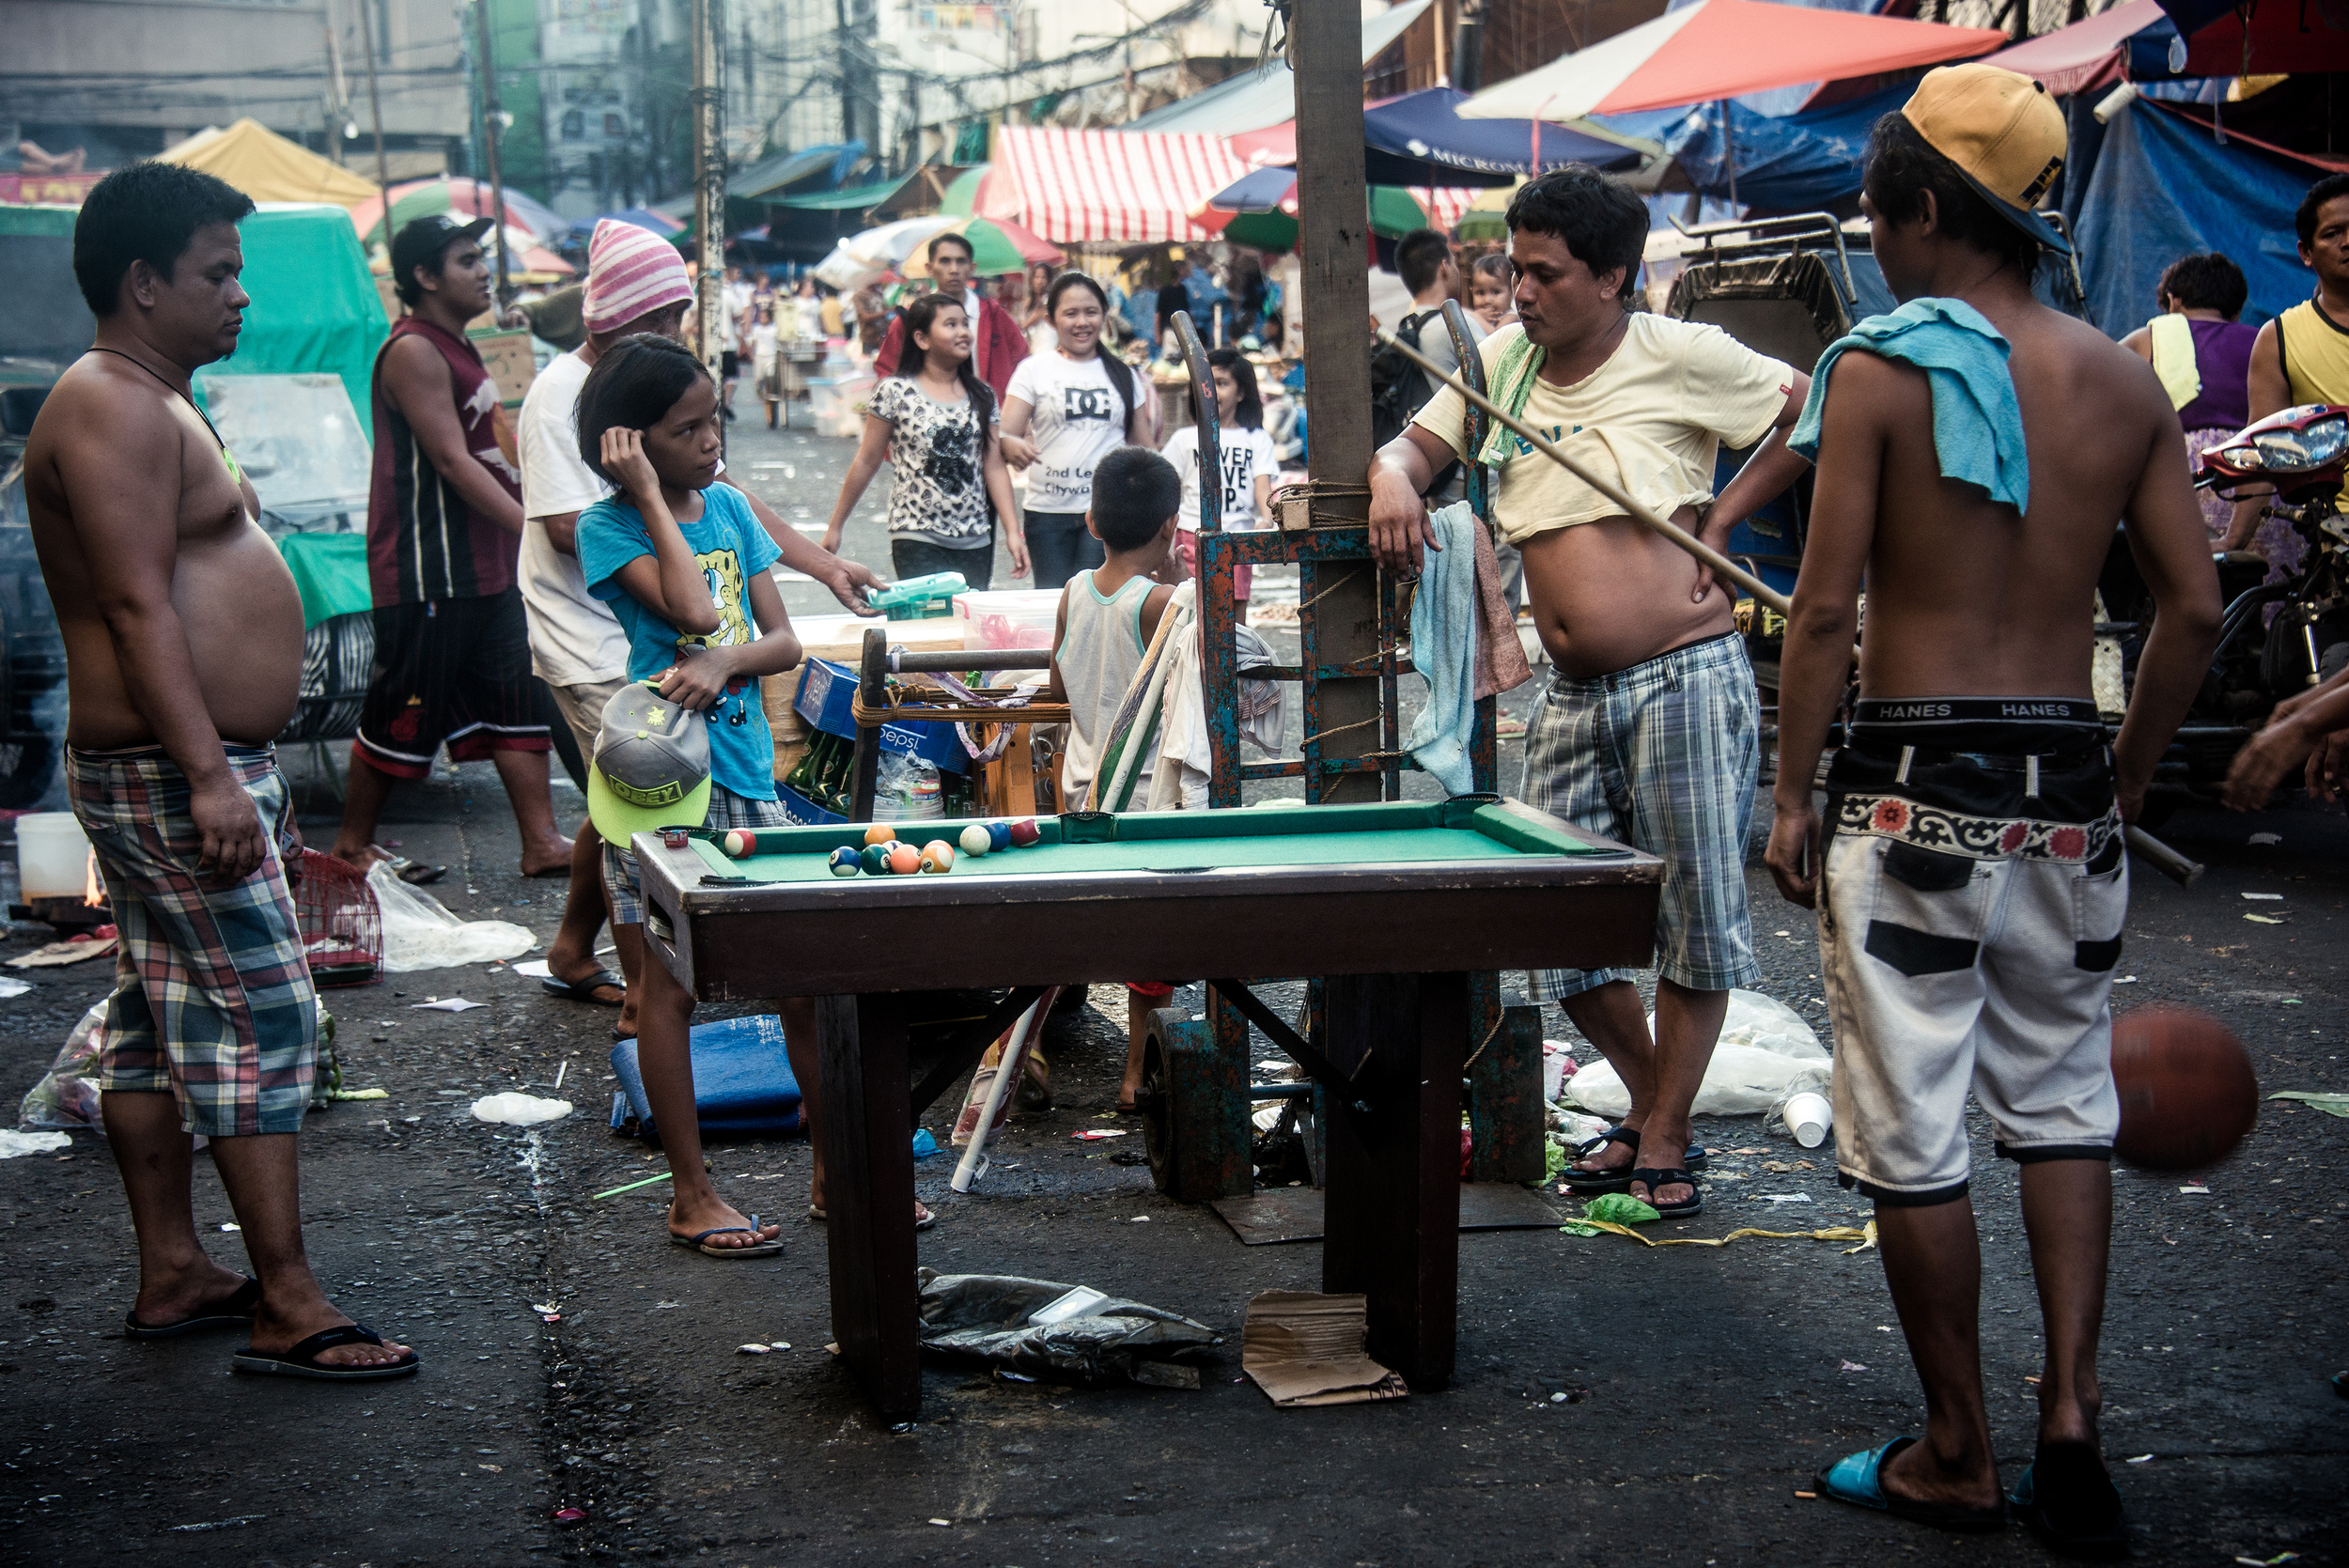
point(212, 1002)
point(727, 810)
point(1661, 756)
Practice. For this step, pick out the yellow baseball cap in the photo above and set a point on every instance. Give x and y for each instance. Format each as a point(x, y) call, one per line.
point(2004, 134)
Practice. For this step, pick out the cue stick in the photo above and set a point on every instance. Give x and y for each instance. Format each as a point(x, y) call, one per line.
point(2177, 867)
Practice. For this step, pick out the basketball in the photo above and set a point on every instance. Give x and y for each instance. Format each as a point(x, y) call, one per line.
point(2188, 1092)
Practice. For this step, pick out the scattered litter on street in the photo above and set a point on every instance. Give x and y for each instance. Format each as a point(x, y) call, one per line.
point(359, 1095)
point(2332, 1104)
point(536, 969)
point(1851, 1366)
point(1784, 1197)
point(518, 1110)
point(753, 1349)
point(13, 1143)
point(74, 950)
point(1028, 1326)
point(2264, 920)
point(2274, 897)
point(1090, 1135)
point(11, 987)
point(445, 1004)
point(2140, 1459)
point(420, 933)
point(2197, 1190)
point(1620, 1208)
point(2265, 838)
point(1303, 1348)
point(1865, 1234)
point(616, 1191)
point(67, 1096)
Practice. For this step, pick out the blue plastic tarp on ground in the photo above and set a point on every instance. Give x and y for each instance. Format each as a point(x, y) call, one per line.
point(2164, 188)
point(1789, 164)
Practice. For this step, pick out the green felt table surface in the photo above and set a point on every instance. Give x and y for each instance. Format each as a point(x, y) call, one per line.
point(1391, 832)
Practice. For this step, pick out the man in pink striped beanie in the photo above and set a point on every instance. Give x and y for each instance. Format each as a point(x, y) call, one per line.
point(631, 273)
point(636, 282)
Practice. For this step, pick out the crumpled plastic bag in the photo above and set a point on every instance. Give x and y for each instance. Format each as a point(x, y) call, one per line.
point(68, 1096)
point(1766, 1052)
point(13, 1144)
point(420, 933)
point(991, 1317)
point(518, 1110)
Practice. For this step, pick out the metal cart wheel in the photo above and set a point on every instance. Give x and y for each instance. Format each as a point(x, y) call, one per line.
point(1194, 1111)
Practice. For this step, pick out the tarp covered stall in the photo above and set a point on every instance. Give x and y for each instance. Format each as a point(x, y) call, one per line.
point(2164, 188)
point(1790, 165)
point(2084, 56)
point(1420, 139)
point(2225, 39)
point(315, 305)
point(1132, 186)
point(474, 198)
point(1256, 100)
point(268, 167)
point(41, 314)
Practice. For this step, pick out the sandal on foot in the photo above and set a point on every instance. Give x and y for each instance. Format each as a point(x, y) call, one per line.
point(415, 873)
point(586, 988)
point(699, 1242)
point(302, 1360)
point(1654, 1179)
point(1592, 1184)
point(232, 1311)
point(2067, 1499)
point(1857, 1479)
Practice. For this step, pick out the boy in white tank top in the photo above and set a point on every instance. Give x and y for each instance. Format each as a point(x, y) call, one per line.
point(1107, 618)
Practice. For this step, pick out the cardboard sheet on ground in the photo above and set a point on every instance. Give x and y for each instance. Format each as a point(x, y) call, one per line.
point(1304, 1348)
point(1295, 1213)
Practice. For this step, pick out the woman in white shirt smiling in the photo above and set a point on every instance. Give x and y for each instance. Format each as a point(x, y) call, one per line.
point(1079, 405)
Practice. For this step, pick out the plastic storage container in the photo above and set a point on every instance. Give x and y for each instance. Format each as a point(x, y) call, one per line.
point(52, 855)
point(1008, 617)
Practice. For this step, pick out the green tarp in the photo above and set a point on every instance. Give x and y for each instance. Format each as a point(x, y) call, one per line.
point(314, 303)
point(853, 199)
point(331, 571)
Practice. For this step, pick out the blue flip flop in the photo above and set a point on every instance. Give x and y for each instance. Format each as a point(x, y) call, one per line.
point(700, 1243)
point(1857, 1479)
point(2066, 1498)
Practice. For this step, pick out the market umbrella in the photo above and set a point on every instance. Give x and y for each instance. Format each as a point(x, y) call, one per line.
point(1259, 208)
point(472, 197)
point(1718, 49)
point(998, 245)
point(2211, 37)
point(1486, 217)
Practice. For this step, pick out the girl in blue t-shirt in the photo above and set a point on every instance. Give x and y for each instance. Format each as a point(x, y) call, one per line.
point(683, 565)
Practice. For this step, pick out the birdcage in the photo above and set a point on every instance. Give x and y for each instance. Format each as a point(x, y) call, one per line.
point(342, 927)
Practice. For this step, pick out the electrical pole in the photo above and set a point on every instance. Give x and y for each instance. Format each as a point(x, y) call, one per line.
point(489, 146)
point(375, 107)
point(709, 179)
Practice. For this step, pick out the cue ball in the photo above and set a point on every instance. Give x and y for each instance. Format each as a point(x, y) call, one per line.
point(999, 836)
point(1025, 831)
point(874, 859)
point(904, 859)
point(879, 833)
point(937, 855)
point(739, 843)
point(976, 839)
point(846, 862)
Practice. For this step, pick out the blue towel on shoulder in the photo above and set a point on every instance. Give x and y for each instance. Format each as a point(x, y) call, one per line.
point(1443, 650)
point(1977, 422)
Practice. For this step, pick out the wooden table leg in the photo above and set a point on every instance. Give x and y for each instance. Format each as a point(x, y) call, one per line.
point(1392, 1228)
point(868, 1196)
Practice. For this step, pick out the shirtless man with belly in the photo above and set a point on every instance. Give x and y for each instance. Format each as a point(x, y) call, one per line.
point(183, 656)
point(1649, 730)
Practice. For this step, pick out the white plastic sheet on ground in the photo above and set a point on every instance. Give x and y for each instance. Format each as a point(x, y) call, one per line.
point(1765, 1053)
point(13, 1143)
point(419, 932)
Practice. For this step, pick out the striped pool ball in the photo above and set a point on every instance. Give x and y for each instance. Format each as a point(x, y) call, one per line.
point(845, 861)
point(937, 855)
point(904, 859)
point(739, 843)
point(874, 857)
point(976, 839)
point(1025, 831)
point(879, 833)
point(999, 835)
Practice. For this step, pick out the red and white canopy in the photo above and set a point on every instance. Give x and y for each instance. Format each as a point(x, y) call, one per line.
point(1124, 185)
point(1716, 49)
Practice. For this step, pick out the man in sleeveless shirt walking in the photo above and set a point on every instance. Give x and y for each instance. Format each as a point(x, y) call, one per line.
point(444, 524)
point(2302, 356)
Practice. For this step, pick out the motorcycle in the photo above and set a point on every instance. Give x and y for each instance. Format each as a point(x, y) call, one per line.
point(2303, 452)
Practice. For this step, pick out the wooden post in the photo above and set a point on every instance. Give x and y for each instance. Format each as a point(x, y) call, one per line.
point(710, 182)
point(1333, 236)
point(374, 108)
point(489, 148)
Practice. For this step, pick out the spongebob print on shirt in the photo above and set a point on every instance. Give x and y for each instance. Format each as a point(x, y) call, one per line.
point(721, 570)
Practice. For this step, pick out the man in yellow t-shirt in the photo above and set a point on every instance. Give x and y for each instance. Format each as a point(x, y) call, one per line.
point(2302, 356)
point(1649, 729)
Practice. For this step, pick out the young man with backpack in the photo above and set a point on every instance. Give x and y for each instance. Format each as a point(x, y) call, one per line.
point(1398, 388)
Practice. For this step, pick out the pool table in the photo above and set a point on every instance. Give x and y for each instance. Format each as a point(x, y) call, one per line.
point(1394, 903)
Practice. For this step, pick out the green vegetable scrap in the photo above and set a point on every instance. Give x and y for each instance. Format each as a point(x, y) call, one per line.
point(1620, 1208)
point(2332, 1105)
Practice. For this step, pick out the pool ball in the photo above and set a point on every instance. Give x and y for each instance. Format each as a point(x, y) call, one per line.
point(1025, 831)
point(874, 857)
point(738, 844)
point(845, 861)
point(904, 859)
point(976, 839)
point(999, 836)
point(937, 855)
point(879, 833)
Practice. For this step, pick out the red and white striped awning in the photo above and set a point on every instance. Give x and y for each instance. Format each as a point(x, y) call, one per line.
point(1444, 203)
point(1133, 186)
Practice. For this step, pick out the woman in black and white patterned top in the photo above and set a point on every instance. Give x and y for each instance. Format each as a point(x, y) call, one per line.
point(935, 425)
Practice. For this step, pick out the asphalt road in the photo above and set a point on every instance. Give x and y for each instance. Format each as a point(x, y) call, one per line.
point(1702, 1387)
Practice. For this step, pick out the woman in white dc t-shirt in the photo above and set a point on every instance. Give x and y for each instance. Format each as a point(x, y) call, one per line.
point(1247, 459)
point(1062, 413)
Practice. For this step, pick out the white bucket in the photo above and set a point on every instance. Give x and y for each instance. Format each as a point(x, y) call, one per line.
point(52, 855)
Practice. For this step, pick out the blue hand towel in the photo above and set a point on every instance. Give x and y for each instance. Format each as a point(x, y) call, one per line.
point(1977, 422)
point(1443, 650)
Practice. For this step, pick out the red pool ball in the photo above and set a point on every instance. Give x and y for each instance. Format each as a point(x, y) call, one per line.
point(1024, 832)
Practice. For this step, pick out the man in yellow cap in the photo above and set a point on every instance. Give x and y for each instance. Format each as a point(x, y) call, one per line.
point(1974, 450)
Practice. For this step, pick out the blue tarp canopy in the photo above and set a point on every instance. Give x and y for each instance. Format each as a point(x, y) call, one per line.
point(1420, 139)
point(1788, 164)
point(583, 229)
point(2164, 188)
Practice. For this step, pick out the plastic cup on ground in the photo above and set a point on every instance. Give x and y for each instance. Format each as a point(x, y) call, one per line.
point(1810, 1117)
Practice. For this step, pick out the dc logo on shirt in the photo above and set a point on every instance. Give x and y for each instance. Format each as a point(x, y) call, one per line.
point(1086, 402)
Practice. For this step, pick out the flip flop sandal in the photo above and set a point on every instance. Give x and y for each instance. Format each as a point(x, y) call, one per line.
point(2067, 1500)
point(585, 989)
point(1857, 1479)
point(926, 1220)
point(415, 873)
point(1654, 1179)
point(302, 1360)
point(233, 1310)
point(700, 1242)
point(1597, 1183)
